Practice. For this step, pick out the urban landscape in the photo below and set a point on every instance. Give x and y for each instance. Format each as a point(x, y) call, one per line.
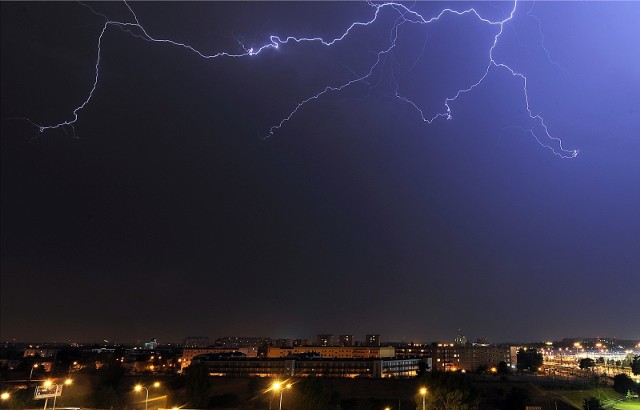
point(320, 205)
point(326, 372)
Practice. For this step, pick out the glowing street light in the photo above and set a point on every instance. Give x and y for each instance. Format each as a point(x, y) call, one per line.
point(49, 383)
point(31, 372)
point(5, 396)
point(139, 387)
point(279, 386)
point(423, 393)
point(71, 367)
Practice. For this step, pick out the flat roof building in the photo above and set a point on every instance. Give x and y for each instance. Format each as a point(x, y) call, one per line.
point(334, 352)
point(189, 353)
point(453, 357)
point(220, 365)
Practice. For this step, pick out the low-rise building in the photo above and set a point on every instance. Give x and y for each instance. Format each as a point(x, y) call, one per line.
point(334, 352)
point(189, 353)
point(222, 365)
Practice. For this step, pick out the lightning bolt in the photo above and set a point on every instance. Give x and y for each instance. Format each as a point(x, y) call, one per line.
point(404, 15)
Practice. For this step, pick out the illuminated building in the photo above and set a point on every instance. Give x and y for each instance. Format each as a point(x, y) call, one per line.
point(334, 352)
point(325, 340)
point(404, 350)
point(345, 340)
point(372, 340)
point(453, 357)
point(189, 353)
point(310, 366)
point(196, 341)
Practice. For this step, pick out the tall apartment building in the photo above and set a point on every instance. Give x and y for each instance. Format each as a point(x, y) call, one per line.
point(196, 341)
point(345, 340)
point(283, 342)
point(325, 340)
point(372, 340)
point(453, 357)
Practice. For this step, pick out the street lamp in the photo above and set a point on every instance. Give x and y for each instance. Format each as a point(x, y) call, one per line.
point(139, 387)
point(48, 384)
point(5, 396)
point(67, 382)
point(423, 393)
point(278, 386)
point(31, 372)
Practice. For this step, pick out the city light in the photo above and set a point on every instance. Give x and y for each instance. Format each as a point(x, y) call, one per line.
point(279, 386)
point(5, 396)
point(139, 387)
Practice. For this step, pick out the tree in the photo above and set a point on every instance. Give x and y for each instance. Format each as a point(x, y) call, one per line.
point(448, 391)
point(587, 364)
point(623, 383)
point(105, 398)
point(198, 384)
point(592, 403)
point(503, 368)
point(635, 365)
point(529, 359)
point(110, 373)
point(423, 368)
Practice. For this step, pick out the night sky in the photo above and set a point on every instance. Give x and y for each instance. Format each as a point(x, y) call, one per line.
point(170, 214)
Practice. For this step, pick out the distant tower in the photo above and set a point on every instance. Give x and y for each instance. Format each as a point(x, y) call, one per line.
point(345, 340)
point(372, 340)
point(325, 340)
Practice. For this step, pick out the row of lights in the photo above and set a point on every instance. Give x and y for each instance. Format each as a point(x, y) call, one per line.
point(47, 384)
point(277, 386)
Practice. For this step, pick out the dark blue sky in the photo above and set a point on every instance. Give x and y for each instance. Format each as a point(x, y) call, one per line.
point(170, 215)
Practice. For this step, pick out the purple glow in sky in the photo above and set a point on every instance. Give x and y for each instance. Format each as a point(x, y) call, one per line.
point(413, 181)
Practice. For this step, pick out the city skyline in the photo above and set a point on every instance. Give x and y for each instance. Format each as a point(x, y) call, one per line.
point(169, 206)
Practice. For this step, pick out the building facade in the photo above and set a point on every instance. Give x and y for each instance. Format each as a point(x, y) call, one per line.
point(345, 340)
point(453, 357)
point(372, 340)
point(189, 353)
point(325, 340)
point(334, 352)
point(303, 367)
